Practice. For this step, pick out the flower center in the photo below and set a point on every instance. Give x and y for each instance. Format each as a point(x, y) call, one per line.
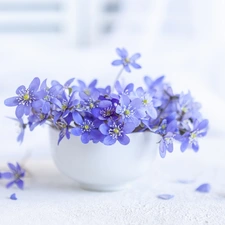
point(91, 105)
point(64, 107)
point(127, 112)
point(26, 97)
point(127, 60)
point(87, 126)
point(116, 130)
point(145, 101)
point(87, 92)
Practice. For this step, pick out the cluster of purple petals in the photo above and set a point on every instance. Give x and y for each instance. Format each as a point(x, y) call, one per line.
point(100, 115)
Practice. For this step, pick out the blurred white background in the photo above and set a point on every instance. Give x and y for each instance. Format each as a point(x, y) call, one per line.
point(60, 39)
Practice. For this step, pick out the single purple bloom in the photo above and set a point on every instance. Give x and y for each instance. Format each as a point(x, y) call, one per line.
point(90, 102)
point(155, 87)
point(191, 138)
point(85, 90)
point(37, 118)
point(60, 88)
point(129, 110)
point(44, 105)
point(64, 125)
point(126, 60)
point(105, 91)
point(25, 98)
point(204, 188)
point(106, 109)
point(88, 130)
point(148, 104)
point(15, 175)
point(166, 144)
point(116, 130)
point(165, 196)
point(187, 108)
point(124, 91)
point(13, 196)
point(63, 106)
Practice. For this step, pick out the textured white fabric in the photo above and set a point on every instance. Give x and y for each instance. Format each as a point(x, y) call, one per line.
point(50, 198)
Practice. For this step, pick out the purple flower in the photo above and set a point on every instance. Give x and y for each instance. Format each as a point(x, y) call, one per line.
point(64, 125)
point(148, 103)
point(90, 102)
point(124, 91)
point(59, 88)
point(156, 86)
point(187, 108)
point(106, 109)
point(129, 110)
point(13, 196)
point(167, 131)
point(15, 175)
point(87, 129)
point(85, 90)
point(25, 99)
point(126, 60)
point(116, 130)
point(64, 105)
point(191, 138)
point(166, 144)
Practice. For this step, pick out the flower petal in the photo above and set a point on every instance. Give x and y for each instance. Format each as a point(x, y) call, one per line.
point(10, 184)
point(104, 129)
point(19, 184)
point(195, 146)
point(128, 128)
point(93, 83)
point(162, 149)
point(135, 65)
point(6, 175)
point(124, 140)
point(127, 68)
point(76, 131)
point(77, 117)
point(117, 62)
point(19, 111)
point(13, 196)
point(203, 124)
point(109, 140)
point(11, 101)
point(165, 196)
point(69, 82)
point(135, 57)
point(34, 85)
point(204, 188)
point(184, 145)
point(85, 138)
point(12, 167)
point(152, 111)
point(20, 89)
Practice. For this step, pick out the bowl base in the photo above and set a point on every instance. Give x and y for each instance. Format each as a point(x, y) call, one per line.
point(104, 188)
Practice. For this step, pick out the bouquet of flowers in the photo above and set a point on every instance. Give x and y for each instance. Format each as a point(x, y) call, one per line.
point(110, 114)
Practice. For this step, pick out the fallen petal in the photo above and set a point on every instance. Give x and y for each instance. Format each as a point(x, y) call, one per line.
point(204, 188)
point(165, 196)
point(13, 197)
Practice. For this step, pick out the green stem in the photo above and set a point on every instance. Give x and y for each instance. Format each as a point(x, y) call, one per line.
point(117, 78)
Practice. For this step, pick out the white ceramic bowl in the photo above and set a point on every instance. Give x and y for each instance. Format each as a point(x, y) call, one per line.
point(104, 168)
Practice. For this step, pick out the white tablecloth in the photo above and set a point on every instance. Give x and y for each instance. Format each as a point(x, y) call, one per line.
point(50, 198)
